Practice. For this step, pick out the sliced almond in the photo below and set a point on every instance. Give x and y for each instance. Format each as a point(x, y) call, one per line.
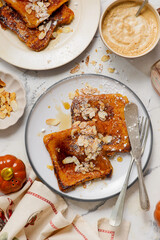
point(2, 84)
point(50, 167)
point(72, 159)
point(3, 99)
point(111, 70)
point(40, 4)
point(107, 139)
point(1, 90)
point(42, 35)
point(102, 115)
point(67, 29)
point(71, 95)
point(105, 58)
point(2, 115)
point(28, 10)
point(52, 122)
point(14, 105)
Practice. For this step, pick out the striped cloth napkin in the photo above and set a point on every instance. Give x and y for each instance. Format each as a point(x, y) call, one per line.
point(37, 213)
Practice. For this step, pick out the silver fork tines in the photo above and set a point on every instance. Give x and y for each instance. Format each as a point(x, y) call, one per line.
point(117, 211)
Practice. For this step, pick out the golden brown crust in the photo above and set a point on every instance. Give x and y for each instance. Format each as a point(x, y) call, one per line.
point(114, 125)
point(12, 20)
point(61, 145)
point(31, 20)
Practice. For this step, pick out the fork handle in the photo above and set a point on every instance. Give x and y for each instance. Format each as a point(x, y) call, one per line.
point(143, 195)
point(117, 212)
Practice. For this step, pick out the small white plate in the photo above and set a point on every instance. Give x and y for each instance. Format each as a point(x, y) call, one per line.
point(13, 85)
point(47, 106)
point(68, 47)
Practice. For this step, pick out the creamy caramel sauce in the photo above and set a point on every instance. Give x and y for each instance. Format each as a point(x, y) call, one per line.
point(119, 159)
point(65, 119)
point(66, 105)
point(127, 34)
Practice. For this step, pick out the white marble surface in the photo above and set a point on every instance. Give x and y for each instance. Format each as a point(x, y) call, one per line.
point(136, 75)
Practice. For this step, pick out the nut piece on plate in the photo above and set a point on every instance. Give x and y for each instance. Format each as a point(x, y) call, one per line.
point(12, 174)
point(52, 122)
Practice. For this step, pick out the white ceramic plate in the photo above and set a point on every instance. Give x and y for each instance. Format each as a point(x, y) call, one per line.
point(61, 51)
point(13, 85)
point(47, 106)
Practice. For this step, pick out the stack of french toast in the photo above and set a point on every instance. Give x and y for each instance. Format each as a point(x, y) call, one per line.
point(34, 21)
point(82, 153)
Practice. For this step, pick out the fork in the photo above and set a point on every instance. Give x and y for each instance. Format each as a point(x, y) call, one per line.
point(117, 212)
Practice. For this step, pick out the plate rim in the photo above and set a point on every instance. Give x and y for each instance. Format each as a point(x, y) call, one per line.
point(43, 94)
point(48, 66)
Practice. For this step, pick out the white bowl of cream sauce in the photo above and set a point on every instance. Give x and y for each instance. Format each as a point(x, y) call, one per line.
point(127, 35)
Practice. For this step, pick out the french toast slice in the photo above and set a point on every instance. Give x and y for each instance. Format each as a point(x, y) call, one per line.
point(107, 111)
point(34, 12)
point(34, 38)
point(77, 155)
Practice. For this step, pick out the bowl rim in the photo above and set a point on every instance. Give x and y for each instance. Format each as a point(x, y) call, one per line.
point(114, 2)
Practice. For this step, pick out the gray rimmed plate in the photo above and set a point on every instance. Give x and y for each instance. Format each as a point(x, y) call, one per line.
point(50, 105)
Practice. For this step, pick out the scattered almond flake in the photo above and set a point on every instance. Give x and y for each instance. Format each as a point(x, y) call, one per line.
point(54, 34)
point(73, 131)
point(71, 95)
point(76, 124)
point(93, 63)
point(99, 69)
point(109, 51)
point(100, 136)
point(105, 58)
point(77, 93)
point(88, 90)
point(47, 27)
point(67, 29)
point(102, 115)
point(80, 140)
point(89, 113)
point(2, 84)
point(96, 50)
point(107, 139)
point(75, 69)
point(102, 105)
point(89, 130)
point(40, 4)
point(40, 9)
point(82, 125)
point(70, 159)
point(28, 10)
point(111, 70)
point(87, 60)
point(1, 90)
point(14, 105)
point(66, 105)
point(41, 35)
point(60, 30)
point(52, 122)
point(50, 167)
